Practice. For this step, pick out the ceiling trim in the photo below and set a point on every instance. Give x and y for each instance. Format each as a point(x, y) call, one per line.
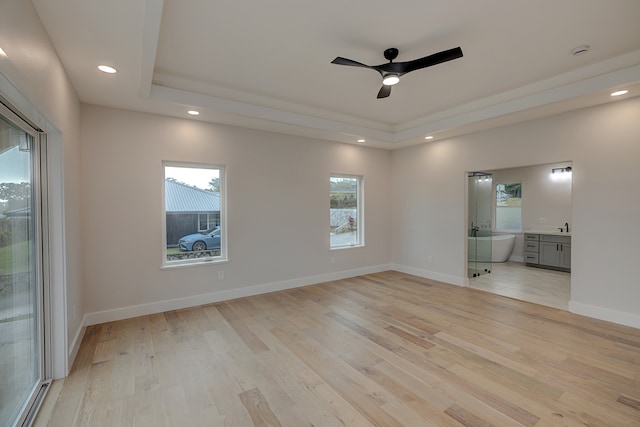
point(168, 94)
point(232, 106)
point(459, 117)
point(150, 36)
point(594, 70)
point(486, 110)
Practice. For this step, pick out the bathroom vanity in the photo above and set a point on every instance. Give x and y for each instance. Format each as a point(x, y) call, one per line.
point(548, 250)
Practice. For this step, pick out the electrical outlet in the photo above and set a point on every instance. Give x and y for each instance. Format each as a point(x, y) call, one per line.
point(543, 220)
point(333, 260)
point(220, 275)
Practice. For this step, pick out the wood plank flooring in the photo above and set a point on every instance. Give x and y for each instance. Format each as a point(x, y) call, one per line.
point(516, 280)
point(385, 349)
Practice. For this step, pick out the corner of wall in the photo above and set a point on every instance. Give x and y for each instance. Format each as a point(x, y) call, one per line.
point(72, 351)
point(606, 314)
point(445, 278)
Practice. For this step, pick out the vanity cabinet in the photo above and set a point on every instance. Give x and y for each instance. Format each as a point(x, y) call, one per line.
point(531, 248)
point(565, 256)
point(555, 251)
point(548, 251)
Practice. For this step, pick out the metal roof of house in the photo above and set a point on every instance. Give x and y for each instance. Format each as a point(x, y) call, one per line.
point(183, 198)
point(18, 212)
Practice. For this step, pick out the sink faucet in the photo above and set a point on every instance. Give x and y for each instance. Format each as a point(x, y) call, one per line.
point(566, 224)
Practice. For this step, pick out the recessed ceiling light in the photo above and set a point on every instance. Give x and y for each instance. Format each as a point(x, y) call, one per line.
point(362, 140)
point(428, 137)
point(2, 52)
point(620, 92)
point(193, 112)
point(107, 69)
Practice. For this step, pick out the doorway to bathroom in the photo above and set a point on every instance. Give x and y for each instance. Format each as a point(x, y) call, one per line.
point(531, 202)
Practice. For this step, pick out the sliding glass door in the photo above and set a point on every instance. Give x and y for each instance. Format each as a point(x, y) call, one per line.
point(22, 337)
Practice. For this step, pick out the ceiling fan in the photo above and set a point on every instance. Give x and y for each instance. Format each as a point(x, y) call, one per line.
point(392, 71)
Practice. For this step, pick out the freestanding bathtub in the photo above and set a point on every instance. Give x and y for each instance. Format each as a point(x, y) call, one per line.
point(501, 246)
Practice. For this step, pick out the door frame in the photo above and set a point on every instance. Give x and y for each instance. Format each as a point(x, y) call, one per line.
point(39, 212)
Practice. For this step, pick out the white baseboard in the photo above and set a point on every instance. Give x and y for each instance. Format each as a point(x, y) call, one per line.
point(196, 300)
point(453, 280)
point(75, 344)
point(620, 317)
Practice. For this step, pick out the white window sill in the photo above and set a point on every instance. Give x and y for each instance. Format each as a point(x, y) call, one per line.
point(198, 263)
point(340, 248)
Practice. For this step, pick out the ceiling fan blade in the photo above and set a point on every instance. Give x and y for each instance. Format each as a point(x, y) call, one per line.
point(384, 91)
point(400, 68)
point(344, 61)
point(431, 60)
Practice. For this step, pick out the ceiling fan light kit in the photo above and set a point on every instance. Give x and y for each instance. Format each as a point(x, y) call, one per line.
point(392, 71)
point(390, 80)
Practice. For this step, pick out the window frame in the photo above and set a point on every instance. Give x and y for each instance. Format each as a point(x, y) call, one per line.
point(223, 257)
point(496, 207)
point(209, 221)
point(359, 211)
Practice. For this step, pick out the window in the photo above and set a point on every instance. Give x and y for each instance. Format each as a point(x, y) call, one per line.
point(194, 227)
point(345, 213)
point(509, 206)
point(207, 221)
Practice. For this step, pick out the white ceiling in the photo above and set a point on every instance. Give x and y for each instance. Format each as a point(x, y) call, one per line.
point(266, 65)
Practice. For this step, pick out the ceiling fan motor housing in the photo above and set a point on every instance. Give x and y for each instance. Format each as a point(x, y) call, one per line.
point(391, 53)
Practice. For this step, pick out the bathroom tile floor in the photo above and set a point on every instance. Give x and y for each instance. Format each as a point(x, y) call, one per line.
point(516, 280)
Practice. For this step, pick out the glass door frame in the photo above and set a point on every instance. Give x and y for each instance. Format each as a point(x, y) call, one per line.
point(479, 230)
point(39, 203)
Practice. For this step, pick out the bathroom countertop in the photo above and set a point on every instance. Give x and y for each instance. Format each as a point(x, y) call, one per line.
point(550, 233)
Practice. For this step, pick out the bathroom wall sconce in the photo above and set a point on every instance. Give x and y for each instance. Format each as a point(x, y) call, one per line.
point(561, 170)
point(480, 176)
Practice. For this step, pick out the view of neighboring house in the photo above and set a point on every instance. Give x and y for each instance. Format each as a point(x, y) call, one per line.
point(189, 210)
point(17, 213)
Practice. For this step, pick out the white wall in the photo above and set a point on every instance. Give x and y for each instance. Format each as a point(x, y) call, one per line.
point(546, 199)
point(428, 184)
point(33, 78)
point(278, 211)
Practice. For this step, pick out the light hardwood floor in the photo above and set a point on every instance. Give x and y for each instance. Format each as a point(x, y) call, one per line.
point(516, 280)
point(385, 349)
